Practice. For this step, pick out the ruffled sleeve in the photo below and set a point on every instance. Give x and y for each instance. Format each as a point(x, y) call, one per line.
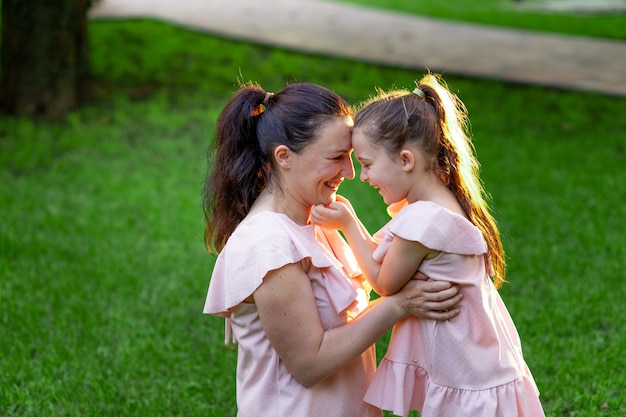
point(263, 243)
point(436, 228)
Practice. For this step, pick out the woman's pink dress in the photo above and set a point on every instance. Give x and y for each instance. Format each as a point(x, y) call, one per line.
point(265, 388)
point(471, 365)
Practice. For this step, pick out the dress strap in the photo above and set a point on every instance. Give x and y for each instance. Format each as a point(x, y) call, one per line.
point(228, 334)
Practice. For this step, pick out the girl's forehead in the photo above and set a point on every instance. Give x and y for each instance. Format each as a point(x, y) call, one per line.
point(364, 148)
point(361, 139)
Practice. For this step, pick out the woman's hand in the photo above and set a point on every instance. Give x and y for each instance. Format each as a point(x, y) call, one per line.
point(436, 300)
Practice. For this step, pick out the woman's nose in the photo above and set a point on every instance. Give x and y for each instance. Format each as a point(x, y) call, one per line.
point(348, 170)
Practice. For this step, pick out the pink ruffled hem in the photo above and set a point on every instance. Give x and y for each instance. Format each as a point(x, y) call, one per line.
point(401, 387)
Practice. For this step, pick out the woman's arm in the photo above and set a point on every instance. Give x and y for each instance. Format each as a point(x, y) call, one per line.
point(290, 319)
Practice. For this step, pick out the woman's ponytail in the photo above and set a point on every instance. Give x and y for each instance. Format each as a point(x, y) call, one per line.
point(237, 175)
point(248, 130)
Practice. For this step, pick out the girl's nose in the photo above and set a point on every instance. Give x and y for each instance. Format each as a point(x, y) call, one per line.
point(363, 176)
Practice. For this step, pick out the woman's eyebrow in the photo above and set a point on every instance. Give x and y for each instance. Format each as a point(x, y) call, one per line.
point(348, 150)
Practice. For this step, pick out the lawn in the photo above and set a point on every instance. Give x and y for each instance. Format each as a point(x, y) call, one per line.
point(102, 265)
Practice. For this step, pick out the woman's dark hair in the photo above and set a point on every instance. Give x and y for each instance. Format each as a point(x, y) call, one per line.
point(248, 129)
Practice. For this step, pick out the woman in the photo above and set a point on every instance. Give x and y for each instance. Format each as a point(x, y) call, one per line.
point(292, 292)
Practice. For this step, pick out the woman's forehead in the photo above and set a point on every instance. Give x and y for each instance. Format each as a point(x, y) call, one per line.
point(336, 135)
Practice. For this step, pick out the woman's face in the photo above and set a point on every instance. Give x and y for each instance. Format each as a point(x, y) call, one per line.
point(319, 169)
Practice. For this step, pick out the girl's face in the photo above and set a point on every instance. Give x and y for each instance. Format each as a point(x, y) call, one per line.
point(381, 170)
point(319, 169)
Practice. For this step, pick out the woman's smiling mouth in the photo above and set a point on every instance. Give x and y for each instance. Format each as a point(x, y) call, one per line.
point(333, 184)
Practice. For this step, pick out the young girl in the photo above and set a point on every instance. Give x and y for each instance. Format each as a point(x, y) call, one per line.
point(414, 148)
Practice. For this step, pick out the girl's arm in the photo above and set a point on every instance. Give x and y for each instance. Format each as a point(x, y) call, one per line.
point(290, 318)
point(341, 216)
point(400, 265)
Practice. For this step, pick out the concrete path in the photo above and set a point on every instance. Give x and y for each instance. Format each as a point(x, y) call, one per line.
point(396, 39)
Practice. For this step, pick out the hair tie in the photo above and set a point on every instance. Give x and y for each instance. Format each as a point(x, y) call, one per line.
point(266, 100)
point(405, 111)
point(418, 92)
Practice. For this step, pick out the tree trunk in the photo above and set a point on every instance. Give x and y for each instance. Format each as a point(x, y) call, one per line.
point(45, 64)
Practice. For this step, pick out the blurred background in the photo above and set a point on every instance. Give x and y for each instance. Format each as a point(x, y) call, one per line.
point(107, 112)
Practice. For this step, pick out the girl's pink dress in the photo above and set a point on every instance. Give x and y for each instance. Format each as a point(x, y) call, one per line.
point(471, 365)
point(265, 388)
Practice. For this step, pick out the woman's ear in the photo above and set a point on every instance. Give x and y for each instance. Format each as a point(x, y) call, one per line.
point(282, 155)
point(408, 160)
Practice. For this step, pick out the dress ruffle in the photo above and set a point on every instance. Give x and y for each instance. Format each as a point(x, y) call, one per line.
point(434, 227)
point(233, 281)
point(471, 365)
point(393, 388)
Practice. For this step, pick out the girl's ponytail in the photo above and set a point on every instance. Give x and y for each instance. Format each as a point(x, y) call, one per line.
point(458, 167)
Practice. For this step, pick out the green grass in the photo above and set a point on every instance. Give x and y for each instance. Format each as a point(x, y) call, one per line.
point(102, 266)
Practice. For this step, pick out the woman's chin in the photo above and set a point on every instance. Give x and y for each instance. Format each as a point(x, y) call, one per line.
point(329, 198)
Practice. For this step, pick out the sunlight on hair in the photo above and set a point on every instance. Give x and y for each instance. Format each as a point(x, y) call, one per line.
point(456, 130)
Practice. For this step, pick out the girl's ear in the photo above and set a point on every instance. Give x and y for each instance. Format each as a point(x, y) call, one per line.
point(408, 160)
point(282, 155)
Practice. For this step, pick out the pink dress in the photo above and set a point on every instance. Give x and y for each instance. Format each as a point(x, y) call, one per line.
point(265, 388)
point(471, 365)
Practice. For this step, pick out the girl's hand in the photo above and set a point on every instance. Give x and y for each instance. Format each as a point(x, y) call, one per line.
point(337, 215)
point(347, 203)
